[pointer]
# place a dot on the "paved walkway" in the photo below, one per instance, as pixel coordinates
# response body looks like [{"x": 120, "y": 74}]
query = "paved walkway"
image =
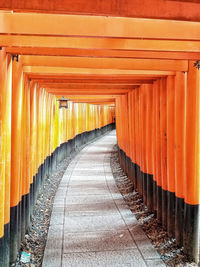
[{"x": 90, "y": 224}]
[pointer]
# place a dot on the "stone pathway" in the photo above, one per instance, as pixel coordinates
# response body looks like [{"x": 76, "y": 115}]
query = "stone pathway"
[{"x": 90, "y": 224}]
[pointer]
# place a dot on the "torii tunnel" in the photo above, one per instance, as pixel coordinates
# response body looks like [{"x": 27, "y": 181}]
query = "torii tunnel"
[{"x": 125, "y": 62}]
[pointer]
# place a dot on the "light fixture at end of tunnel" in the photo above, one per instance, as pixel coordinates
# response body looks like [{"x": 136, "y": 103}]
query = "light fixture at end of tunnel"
[{"x": 63, "y": 102}]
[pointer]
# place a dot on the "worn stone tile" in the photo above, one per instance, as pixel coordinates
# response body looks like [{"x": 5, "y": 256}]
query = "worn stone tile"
[
  {"x": 92, "y": 164},
  {"x": 61, "y": 192},
  {"x": 155, "y": 262},
  {"x": 55, "y": 236},
  {"x": 88, "y": 199},
  {"x": 120, "y": 258},
  {"x": 58, "y": 208},
  {"x": 143, "y": 243},
  {"x": 52, "y": 258},
  {"x": 138, "y": 234},
  {"x": 90, "y": 169},
  {"x": 59, "y": 200},
  {"x": 85, "y": 182},
  {"x": 87, "y": 173},
  {"x": 113, "y": 189},
  {"x": 103, "y": 208},
  {"x": 88, "y": 189},
  {"x": 109, "y": 178},
  {"x": 94, "y": 223},
  {"x": 88, "y": 184},
  {"x": 57, "y": 217},
  {"x": 97, "y": 241},
  {"x": 147, "y": 249},
  {"x": 63, "y": 183},
  {"x": 87, "y": 178},
  {"x": 116, "y": 196},
  {"x": 53, "y": 250}
]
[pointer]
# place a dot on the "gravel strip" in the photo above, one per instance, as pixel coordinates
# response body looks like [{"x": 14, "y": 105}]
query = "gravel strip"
[{"x": 166, "y": 246}]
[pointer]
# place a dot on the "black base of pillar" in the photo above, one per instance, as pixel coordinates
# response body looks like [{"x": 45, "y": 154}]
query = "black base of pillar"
[
  {"x": 6, "y": 248},
  {"x": 14, "y": 222},
  {"x": 19, "y": 229},
  {"x": 191, "y": 231},
  {"x": 139, "y": 180},
  {"x": 159, "y": 204},
  {"x": 144, "y": 189},
  {"x": 2, "y": 251},
  {"x": 27, "y": 212},
  {"x": 171, "y": 213},
  {"x": 20, "y": 214},
  {"x": 150, "y": 192},
  {"x": 155, "y": 197},
  {"x": 23, "y": 216},
  {"x": 179, "y": 221},
  {"x": 164, "y": 208}
]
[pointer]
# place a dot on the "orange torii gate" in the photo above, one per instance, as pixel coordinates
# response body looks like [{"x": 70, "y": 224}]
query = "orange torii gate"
[{"x": 137, "y": 60}]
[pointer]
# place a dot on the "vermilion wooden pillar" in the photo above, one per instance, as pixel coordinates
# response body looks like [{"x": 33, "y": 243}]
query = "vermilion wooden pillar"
[
  {"x": 170, "y": 155},
  {"x": 16, "y": 173},
  {"x": 192, "y": 179},
  {"x": 180, "y": 152}
]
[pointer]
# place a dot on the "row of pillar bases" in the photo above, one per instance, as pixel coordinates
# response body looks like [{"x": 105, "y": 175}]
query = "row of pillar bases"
[
  {"x": 20, "y": 215},
  {"x": 179, "y": 219}
]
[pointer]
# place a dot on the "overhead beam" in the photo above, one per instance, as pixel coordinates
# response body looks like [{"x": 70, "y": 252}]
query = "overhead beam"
[
  {"x": 61, "y": 70},
  {"x": 93, "y": 79},
  {"x": 96, "y": 100},
  {"x": 97, "y": 26},
  {"x": 106, "y": 63},
  {"x": 90, "y": 93},
  {"x": 181, "y": 10},
  {"x": 102, "y": 53},
  {"x": 90, "y": 99},
  {"x": 100, "y": 43},
  {"x": 88, "y": 86}
]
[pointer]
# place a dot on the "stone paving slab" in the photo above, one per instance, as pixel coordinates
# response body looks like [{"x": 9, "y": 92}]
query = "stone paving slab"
[
  {"x": 91, "y": 225},
  {"x": 97, "y": 241},
  {"x": 88, "y": 199},
  {"x": 118, "y": 258},
  {"x": 91, "y": 209},
  {"x": 88, "y": 172},
  {"x": 88, "y": 189},
  {"x": 94, "y": 223}
]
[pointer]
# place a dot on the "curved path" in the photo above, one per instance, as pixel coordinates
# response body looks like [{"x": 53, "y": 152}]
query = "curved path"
[{"x": 90, "y": 224}]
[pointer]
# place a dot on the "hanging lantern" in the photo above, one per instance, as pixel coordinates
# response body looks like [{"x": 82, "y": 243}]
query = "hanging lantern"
[{"x": 63, "y": 102}]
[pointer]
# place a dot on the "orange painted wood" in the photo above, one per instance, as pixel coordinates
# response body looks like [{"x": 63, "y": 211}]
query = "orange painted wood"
[
  {"x": 16, "y": 134},
  {"x": 101, "y": 53},
  {"x": 171, "y": 133},
  {"x": 158, "y": 135},
  {"x": 143, "y": 121},
  {"x": 64, "y": 70},
  {"x": 7, "y": 140},
  {"x": 180, "y": 133},
  {"x": 87, "y": 86},
  {"x": 163, "y": 131},
  {"x": 192, "y": 183},
  {"x": 142, "y": 45},
  {"x": 3, "y": 73},
  {"x": 101, "y": 26},
  {"x": 154, "y": 141},
  {"x": 149, "y": 128},
  {"x": 181, "y": 10},
  {"x": 106, "y": 63}
]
